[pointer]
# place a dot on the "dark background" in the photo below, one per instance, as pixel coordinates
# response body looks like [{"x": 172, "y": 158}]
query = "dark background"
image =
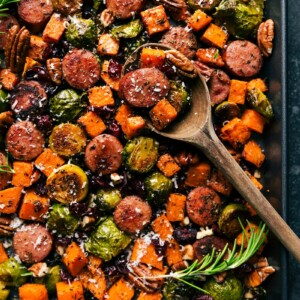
[{"x": 293, "y": 135}]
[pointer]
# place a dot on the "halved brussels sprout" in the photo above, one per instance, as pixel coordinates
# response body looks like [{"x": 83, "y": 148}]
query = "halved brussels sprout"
[
  {"x": 175, "y": 290},
  {"x": 178, "y": 95},
  {"x": 226, "y": 111},
  {"x": 4, "y": 101},
  {"x": 67, "y": 139},
  {"x": 107, "y": 199},
  {"x": 140, "y": 154},
  {"x": 50, "y": 279},
  {"x": 129, "y": 45},
  {"x": 127, "y": 31},
  {"x": 11, "y": 273},
  {"x": 67, "y": 184}
]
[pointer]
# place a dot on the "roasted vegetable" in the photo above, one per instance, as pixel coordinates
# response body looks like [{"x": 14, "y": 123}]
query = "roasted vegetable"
[
  {"x": 176, "y": 290},
  {"x": 226, "y": 111},
  {"x": 52, "y": 278},
  {"x": 61, "y": 220},
  {"x": 178, "y": 95},
  {"x": 4, "y": 101},
  {"x": 107, "y": 240},
  {"x": 66, "y": 105},
  {"x": 230, "y": 289},
  {"x": 205, "y": 5},
  {"x": 240, "y": 18},
  {"x": 140, "y": 154},
  {"x": 129, "y": 45},
  {"x": 158, "y": 187},
  {"x": 4, "y": 293},
  {"x": 11, "y": 273},
  {"x": 97, "y": 4},
  {"x": 82, "y": 33},
  {"x": 127, "y": 31},
  {"x": 106, "y": 199}
]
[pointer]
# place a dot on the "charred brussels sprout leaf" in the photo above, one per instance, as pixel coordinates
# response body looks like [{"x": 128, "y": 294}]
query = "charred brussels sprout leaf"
[
  {"x": 106, "y": 199},
  {"x": 178, "y": 95},
  {"x": 129, "y": 45},
  {"x": 4, "y": 101},
  {"x": 107, "y": 241},
  {"x": 140, "y": 154},
  {"x": 259, "y": 101},
  {"x": 66, "y": 105},
  {"x": 11, "y": 273},
  {"x": 128, "y": 31},
  {"x": 61, "y": 220},
  {"x": 82, "y": 33},
  {"x": 176, "y": 290},
  {"x": 52, "y": 278},
  {"x": 205, "y": 5},
  {"x": 158, "y": 187},
  {"x": 241, "y": 18}
]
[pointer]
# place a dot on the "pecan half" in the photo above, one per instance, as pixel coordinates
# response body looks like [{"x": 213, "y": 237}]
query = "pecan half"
[
  {"x": 54, "y": 68},
  {"x": 11, "y": 36},
  {"x": 6, "y": 119},
  {"x": 265, "y": 37},
  {"x": 106, "y": 18},
  {"x": 22, "y": 49}
]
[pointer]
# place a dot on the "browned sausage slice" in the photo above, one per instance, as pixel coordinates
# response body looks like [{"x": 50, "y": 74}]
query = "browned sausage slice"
[
  {"x": 35, "y": 13},
  {"x": 27, "y": 97},
  {"x": 182, "y": 40},
  {"x": 204, "y": 70},
  {"x": 5, "y": 24},
  {"x": 219, "y": 86},
  {"x": 242, "y": 58},
  {"x": 32, "y": 243},
  {"x": 81, "y": 69},
  {"x": 144, "y": 87},
  {"x": 123, "y": 9},
  {"x": 132, "y": 214},
  {"x": 203, "y": 206},
  {"x": 24, "y": 141},
  {"x": 5, "y": 177},
  {"x": 103, "y": 154}
]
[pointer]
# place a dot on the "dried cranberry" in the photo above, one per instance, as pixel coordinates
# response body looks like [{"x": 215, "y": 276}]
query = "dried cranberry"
[
  {"x": 97, "y": 181},
  {"x": 113, "y": 128},
  {"x": 63, "y": 241},
  {"x": 45, "y": 123},
  {"x": 167, "y": 70},
  {"x": 133, "y": 186},
  {"x": 244, "y": 269},
  {"x": 160, "y": 248},
  {"x": 61, "y": 49},
  {"x": 110, "y": 270},
  {"x": 65, "y": 276},
  {"x": 104, "y": 111},
  {"x": 78, "y": 209},
  {"x": 114, "y": 69},
  {"x": 40, "y": 188},
  {"x": 121, "y": 263},
  {"x": 39, "y": 73},
  {"x": 185, "y": 235},
  {"x": 203, "y": 297}
]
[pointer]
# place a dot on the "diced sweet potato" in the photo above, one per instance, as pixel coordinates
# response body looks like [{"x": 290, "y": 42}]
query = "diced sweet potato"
[
  {"x": 162, "y": 226},
  {"x": 219, "y": 183},
  {"x": 173, "y": 253},
  {"x": 121, "y": 290},
  {"x": 8, "y": 80},
  {"x": 133, "y": 126},
  {"x": 92, "y": 124},
  {"x": 111, "y": 82},
  {"x": 210, "y": 56},
  {"x": 176, "y": 207},
  {"x": 254, "y": 120},
  {"x": 257, "y": 83},
  {"x": 9, "y": 200},
  {"x": 54, "y": 29},
  {"x": 108, "y": 45},
  {"x": 23, "y": 172},
  {"x": 69, "y": 291},
  {"x": 27, "y": 290},
  {"x": 3, "y": 254},
  {"x": 199, "y": 20},
  {"x": 155, "y": 19},
  {"x": 152, "y": 58},
  {"x": 100, "y": 96},
  {"x": 238, "y": 91},
  {"x": 215, "y": 36},
  {"x": 254, "y": 180},
  {"x": 253, "y": 153},
  {"x": 198, "y": 175},
  {"x": 167, "y": 165},
  {"x": 147, "y": 296},
  {"x": 123, "y": 113},
  {"x": 94, "y": 263},
  {"x": 38, "y": 50}
]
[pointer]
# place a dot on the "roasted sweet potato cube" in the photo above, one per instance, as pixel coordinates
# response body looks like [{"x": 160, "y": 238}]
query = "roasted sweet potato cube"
[
  {"x": 133, "y": 126},
  {"x": 210, "y": 56},
  {"x": 257, "y": 83},
  {"x": 198, "y": 175},
  {"x": 155, "y": 19},
  {"x": 254, "y": 180},
  {"x": 107, "y": 45},
  {"x": 253, "y": 153},
  {"x": 9, "y": 200},
  {"x": 39, "y": 50},
  {"x": 174, "y": 254},
  {"x": 27, "y": 290},
  {"x": 121, "y": 289},
  {"x": 23, "y": 172},
  {"x": 123, "y": 113},
  {"x": 92, "y": 123},
  {"x": 54, "y": 29},
  {"x": 199, "y": 20},
  {"x": 254, "y": 120},
  {"x": 162, "y": 226},
  {"x": 100, "y": 96},
  {"x": 111, "y": 82},
  {"x": 3, "y": 254},
  {"x": 215, "y": 36},
  {"x": 152, "y": 58},
  {"x": 167, "y": 165},
  {"x": 8, "y": 80},
  {"x": 176, "y": 207},
  {"x": 69, "y": 290},
  {"x": 238, "y": 91},
  {"x": 149, "y": 296}
]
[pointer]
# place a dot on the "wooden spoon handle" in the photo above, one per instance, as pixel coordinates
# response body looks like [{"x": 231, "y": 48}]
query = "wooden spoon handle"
[{"x": 222, "y": 159}]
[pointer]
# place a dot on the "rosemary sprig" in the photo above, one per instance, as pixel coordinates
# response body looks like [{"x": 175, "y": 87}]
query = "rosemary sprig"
[
  {"x": 6, "y": 168},
  {"x": 4, "y": 8}
]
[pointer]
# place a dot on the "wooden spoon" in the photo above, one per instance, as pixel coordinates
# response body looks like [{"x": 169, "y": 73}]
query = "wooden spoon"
[{"x": 196, "y": 129}]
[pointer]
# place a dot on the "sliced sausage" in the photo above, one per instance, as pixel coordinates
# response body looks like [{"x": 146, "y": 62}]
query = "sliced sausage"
[
  {"x": 203, "y": 206},
  {"x": 5, "y": 177},
  {"x": 24, "y": 141},
  {"x": 32, "y": 243},
  {"x": 123, "y": 9},
  {"x": 204, "y": 70},
  {"x": 67, "y": 7},
  {"x": 219, "y": 86},
  {"x": 103, "y": 154},
  {"x": 243, "y": 58},
  {"x": 35, "y": 13},
  {"x": 205, "y": 246},
  {"x": 28, "y": 97},
  {"x": 81, "y": 69},
  {"x": 5, "y": 24},
  {"x": 144, "y": 87},
  {"x": 182, "y": 40},
  {"x": 132, "y": 214}
]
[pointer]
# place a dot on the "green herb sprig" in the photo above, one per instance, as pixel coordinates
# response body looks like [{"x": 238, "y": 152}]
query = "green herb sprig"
[
  {"x": 4, "y": 8},
  {"x": 6, "y": 168}
]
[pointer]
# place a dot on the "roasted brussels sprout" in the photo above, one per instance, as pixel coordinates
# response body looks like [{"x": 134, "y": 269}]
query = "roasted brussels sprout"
[
  {"x": 259, "y": 101},
  {"x": 129, "y": 45},
  {"x": 67, "y": 184},
  {"x": 4, "y": 293},
  {"x": 158, "y": 187},
  {"x": 4, "y": 101},
  {"x": 241, "y": 18},
  {"x": 107, "y": 241},
  {"x": 66, "y": 106},
  {"x": 52, "y": 278},
  {"x": 127, "y": 31},
  {"x": 140, "y": 154},
  {"x": 176, "y": 290},
  {"x": 226, "y": 111},
  {"x": 11, "y": 273},
  {"x": 61, "y": 220},
  {"x": 230, "y": 289},
  {"x": 82, "y": 33},
  {"x": 205, "y": 5},
  {"x": 229, "y": 219},
  {"x": 107, "y": 199},
  {"x": 178, "y": 95}
]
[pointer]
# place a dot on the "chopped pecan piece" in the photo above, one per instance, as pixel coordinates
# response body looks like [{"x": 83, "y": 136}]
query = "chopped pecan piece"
[
  {"x": 54, "y": 68},
  {"x": 265, "y": 37},
  {"x": 106, "y": 18}
]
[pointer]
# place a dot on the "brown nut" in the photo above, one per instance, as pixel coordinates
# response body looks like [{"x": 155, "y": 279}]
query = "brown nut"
[
  {"x": 22, "y": 49},
  {"x": 106, "y": 18},
  {"x": 11, "y": 36},
  {"x": 265, "y": 37},
  {"x": 54, "y": 68}
]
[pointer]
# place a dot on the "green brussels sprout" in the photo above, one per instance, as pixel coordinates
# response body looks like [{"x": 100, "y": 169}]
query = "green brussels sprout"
[
  {"x": 82, "y": 33},
  {"x": 11, "y": 273},
  {"x": 3, "y": 291},
  {"x": 66, "y": 106},
  {"x": 230, "y": 289},
  {"x": 4, "y": 101},
  {"x": 158, "y": 187},
  {"x": 176, "y": 290},
  {"x": 107, "y": 241},
  {"x": 52, "y": 278},
  {"x": 241, "y": 18},
  {"x": 106, "y": 200},
  {"x": 205, "y": 5},
  {"x": 259, "y": 102},
  {"x": 229, "y": 219},
  {"x": 61, "y": 220},
  {"x": 127, "y": 31},
  {"x": 178, "y": 95},
  {"x": 140, "y": 154},
  {"x": 226, "y": 111},
  {"x": 97, "y": 4},
  {"x": 130, "y": 45}
]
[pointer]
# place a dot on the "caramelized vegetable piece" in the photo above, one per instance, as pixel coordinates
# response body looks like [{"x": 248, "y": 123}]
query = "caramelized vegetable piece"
[
  {"x": 54, "y": 29},
  {"x": 39, "y": 49},
  {"x": 198, "y": 175},
  {"x": 111, "y": 82},
  {"x": 210, "y": 56},
  {"x": 133, "y": 126},
  {"x": 8, "y": 79},
  {"x": 162, "y": 226},
  {"x": 167, "y": 165},
  {"x": 176, "y": 207},
  {"x": 9, "y": 200},
  {"x": 3, "y": 254},
  {"x": 257, "y": 83},
  {"x": 147, "y": 296},
  {"x": 27, "y": 291},
  {"x": 215, "y": 36},
  {"x": 219, "y": 183},
  {"x": 108, "y": 45},
  {"x": 238, "y": 90},
  {"x": 226, "y": 111},
  {"x": 254, "y": 120},
  {"x": 23, "y": 172},
  {"x": 152, "y": 58},
  {"x": 69, "y": 291},
  {"x": 174, "y": 254},
  {"x": 100, "y": 96},
  {"x": 92, "y": 124},
  {"x": 122, "y": 289},
  {"x": 253, "y": 153},
  {"x": 199, "y": 20}
]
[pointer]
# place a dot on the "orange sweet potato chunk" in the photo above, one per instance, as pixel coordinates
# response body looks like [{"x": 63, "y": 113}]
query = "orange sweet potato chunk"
[
  {"x": 162, "y": 226},
  {"x": 54, "y": 29},
  {"x": 121, "y": 290},
  {"x": 23, "y": 172},
  {"x": 253, "y": 153},
  {"x": 215, "y": 36},
  {"x": 9, "y": 200},
  {"x": 152, "y": 58},
  {"x": 3, "y": 254},
  {"x": 238, "y": 91},
  {"x": 92, "y": 124},
  {"x": 69, "y": 291},
  {"x": 254, "y": 120},
  {"x": 100, "y": 96},
  {"x": 176, "y": 207},
  {"x": 199, "y": 20},
  {"x": 167, "y": 165}
]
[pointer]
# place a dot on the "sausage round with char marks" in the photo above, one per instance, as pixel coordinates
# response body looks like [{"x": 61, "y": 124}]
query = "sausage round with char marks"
[
  {"x": 5, "y": 24},
  {"x": 103, "y": 154},
  {"x": 242, "y": 58},
  {"x": 32, "y": 243},
  {"x": 144, "y": 87},
  {"x": 182, "y": 40},
  {"x": 203, "y": 206},
  {"x": 132, "y": 214},
  {"x": 24, "y": 141},
  {"x": 81, "y": 69},
  {"x": 5, "y": 177},
  {"x": 123, "y": 9}
]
